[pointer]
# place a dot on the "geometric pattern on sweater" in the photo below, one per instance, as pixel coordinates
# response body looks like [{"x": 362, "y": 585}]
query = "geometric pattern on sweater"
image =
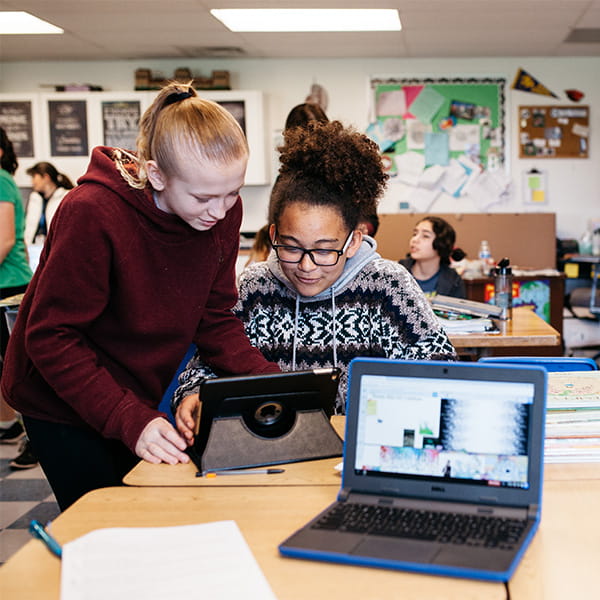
[{"x": 380, "y": 313}]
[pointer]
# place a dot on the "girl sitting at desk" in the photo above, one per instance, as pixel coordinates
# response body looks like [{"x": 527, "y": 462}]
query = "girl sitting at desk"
[
  {"x": 324, "y": 295},
  {"x": 431, "y": 248}
]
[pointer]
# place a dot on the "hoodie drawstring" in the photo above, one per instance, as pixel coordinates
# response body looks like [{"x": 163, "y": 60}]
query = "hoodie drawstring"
[
  {"x": 296, "y": 318},
  {"x": 333, "y": 327}
]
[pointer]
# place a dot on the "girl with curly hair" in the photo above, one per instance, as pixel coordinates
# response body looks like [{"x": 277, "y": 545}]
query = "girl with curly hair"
[{"x": 325, "y": 296}]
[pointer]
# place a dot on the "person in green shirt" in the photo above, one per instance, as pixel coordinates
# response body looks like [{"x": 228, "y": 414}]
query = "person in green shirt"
[{"x": 15, "y": 274}]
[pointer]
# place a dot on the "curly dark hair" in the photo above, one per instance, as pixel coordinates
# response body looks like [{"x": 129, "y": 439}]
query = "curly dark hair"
[
  {"x": 9, "y": 160},
  {"x": 327, "y": 164},
  {"x": 445, "y": 237}
]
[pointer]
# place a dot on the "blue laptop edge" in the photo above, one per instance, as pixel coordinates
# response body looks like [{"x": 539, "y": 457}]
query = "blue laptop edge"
[{"x": 417, "y": 490}]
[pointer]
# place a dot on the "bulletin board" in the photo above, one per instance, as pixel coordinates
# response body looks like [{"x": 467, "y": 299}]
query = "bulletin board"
[
  {"x": 443, "y": 119},
  {"x": 554, "y": 131}
]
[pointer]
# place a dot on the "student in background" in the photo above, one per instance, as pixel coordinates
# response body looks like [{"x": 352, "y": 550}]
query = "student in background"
[
  {"x": 261, "y": 246},
  {"x": 49, "y": 188},
  {"x": 324, "y": 296},
  {"x": 369, "y": 224},
  {"x": 305, "y": 113},
  {"x": 15, "y": 274},
  {"x": 143, "y": 251},
  {"x": 431, "y": 250}
]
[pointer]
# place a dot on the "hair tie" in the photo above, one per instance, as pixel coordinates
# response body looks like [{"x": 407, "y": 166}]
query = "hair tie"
[{"x": 176, "y": 97}]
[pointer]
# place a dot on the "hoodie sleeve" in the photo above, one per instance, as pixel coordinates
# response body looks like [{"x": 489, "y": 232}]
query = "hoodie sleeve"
[
  {"x": 198, "y": 369},
  {"x": 221, "y": 340},
  {"x": 68, "y": 296},
  {"x": 190, "y": 379},
  {"x": 406, "y": 327}
]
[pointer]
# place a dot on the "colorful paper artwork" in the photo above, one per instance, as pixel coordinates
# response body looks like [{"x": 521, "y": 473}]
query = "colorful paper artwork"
[
  {"x": 427, "y": 104},
  {"x": 439, "y": 135}
]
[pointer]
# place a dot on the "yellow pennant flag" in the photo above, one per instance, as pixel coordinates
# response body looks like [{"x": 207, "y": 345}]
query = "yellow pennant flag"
[{"x": 527, "y": 83}]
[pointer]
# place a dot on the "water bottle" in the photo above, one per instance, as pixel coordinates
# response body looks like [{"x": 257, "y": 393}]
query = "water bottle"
[
  {"x": 485, "y": 257},
  {"x": 503, "y": 288},
  {"x": 596, "y": 242}
]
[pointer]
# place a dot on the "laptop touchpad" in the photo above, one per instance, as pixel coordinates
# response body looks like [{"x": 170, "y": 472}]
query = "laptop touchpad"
[{"x": 396, "y": 549}]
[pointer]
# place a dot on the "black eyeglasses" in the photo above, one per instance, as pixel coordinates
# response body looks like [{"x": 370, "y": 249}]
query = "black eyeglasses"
[{"x": 322, "y": 257}]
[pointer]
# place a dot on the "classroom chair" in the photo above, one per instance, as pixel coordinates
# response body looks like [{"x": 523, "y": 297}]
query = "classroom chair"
[{"x": 550, "y": 363}]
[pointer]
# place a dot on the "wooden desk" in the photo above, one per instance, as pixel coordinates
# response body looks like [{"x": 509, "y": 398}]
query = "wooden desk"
[
  {"x": 476, "y": 290},
  {"x": 525, "y": 329},
  {"x": 560, "y": 563},
  {"x": 313, "y": 472},
  {"x": 265, "y": 517}
]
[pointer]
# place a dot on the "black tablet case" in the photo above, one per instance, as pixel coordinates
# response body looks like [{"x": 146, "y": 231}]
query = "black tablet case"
[{"x": 261, "y": 420}]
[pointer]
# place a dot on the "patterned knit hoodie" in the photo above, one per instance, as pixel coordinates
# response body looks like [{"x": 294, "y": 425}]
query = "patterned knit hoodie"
[{"x": 375, "y": 308}]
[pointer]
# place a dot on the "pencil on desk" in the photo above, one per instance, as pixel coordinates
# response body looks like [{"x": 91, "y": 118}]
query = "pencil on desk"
[{"x": 241, "y": 472}]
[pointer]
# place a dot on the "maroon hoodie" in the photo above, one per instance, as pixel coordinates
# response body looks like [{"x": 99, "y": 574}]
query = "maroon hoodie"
[{"x": 121, "y": 290}]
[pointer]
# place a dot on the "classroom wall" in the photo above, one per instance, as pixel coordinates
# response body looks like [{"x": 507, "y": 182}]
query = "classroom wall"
[{"x": 573, "y": 184}]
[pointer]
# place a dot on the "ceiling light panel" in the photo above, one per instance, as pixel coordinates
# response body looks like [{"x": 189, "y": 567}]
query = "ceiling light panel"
[
  {"x": 318, "y": 19},
  {"x": 20, "y": 23}
]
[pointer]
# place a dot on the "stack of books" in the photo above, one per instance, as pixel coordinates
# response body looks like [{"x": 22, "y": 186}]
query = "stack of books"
[
  {"x": 573, "y": 417},
  {"x": 458, "y": 315}
]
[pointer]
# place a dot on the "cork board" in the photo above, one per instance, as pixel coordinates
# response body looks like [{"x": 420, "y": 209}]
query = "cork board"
[
  {"x": 554, "y": 131},
  {"x": 528, "y": 239}
]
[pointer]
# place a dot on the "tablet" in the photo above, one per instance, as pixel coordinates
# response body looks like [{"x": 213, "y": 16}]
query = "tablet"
[{"x": 256, "y": 420}]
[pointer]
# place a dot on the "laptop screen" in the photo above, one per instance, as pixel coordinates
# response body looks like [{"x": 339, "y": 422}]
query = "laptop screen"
[{"x": 443, "y": 429}]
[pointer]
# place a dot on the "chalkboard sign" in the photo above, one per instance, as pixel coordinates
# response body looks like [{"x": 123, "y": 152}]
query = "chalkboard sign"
[
  {"x": 554, "y": 131},
  {"x": 120, "y": 123},
  {"x": 68, "y": 128},
  {"x": 16, "y": 120}
]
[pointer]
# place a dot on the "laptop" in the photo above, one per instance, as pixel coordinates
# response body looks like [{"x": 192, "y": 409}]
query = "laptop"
[{"x": 442, "y": 470}]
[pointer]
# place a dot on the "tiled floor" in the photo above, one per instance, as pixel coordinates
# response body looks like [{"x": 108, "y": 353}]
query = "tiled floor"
[{"x": 24, "y": 495}]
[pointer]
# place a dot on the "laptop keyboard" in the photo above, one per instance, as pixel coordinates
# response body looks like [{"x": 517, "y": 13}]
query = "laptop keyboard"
[{"x": 472, "y": 530}]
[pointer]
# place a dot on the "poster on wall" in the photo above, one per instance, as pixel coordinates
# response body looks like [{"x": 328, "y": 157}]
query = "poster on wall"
[
  {"x": 120, "y": 121},
  {"x": 554, "y": 131},
  {"x": 16, "y": 120},
  {"x": 68, "y": 127},
  {"x": 238, "y": 109},
  {"x": 532, "y": 294},
  {"x": 443, "y": 135}
]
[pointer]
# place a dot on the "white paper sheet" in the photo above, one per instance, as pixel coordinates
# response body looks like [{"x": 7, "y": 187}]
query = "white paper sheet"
[
  {"x": 410, "y": 166},
  {"x": 210, "y": 560},
  {"x": 422, "y": 199}
]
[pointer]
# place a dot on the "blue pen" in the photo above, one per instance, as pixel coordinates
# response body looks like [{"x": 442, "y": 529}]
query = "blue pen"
[{"x": 37, "y": 530}]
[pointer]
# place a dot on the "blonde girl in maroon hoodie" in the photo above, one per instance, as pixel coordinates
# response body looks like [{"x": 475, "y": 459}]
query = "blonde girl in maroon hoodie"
[{"x": 139, "y": 262}]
